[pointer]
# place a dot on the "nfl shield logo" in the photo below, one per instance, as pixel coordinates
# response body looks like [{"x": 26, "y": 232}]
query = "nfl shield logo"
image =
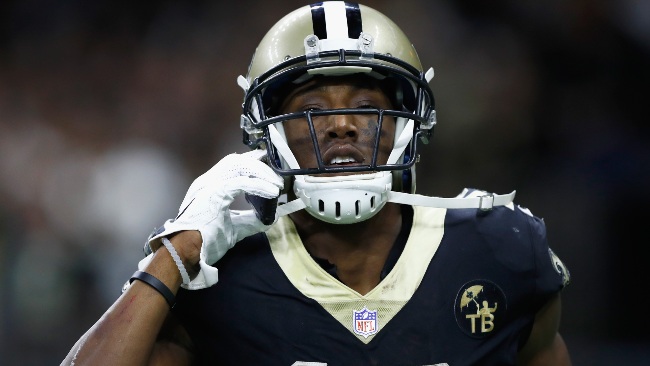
[{"x": 365, "y": 322}]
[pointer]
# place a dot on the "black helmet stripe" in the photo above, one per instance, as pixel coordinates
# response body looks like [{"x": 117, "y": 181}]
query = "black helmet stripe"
[
  {"x": 353, "y": 14},
  {"x": 322, "y": 11},
  {"x": 318, "y": 20}
]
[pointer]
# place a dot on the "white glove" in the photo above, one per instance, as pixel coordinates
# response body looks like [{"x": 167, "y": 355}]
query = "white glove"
[{"x": 206, "y": 208}]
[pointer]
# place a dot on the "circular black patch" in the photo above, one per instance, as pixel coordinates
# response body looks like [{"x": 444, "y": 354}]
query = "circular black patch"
[{"x": 480, "y": 307}]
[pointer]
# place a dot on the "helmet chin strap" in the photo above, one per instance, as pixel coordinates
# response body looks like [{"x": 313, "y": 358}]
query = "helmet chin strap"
[{"x": 484, "y": 201}]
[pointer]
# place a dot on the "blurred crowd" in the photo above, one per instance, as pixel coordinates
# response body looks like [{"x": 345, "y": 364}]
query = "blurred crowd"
[{"x": 109, "y": 110}]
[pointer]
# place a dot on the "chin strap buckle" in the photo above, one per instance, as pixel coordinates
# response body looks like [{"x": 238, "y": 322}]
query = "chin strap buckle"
[{"x": 486, "y": 202}]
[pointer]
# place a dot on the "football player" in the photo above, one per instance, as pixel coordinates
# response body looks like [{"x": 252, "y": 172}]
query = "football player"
[{"x": 339, "y": 262}]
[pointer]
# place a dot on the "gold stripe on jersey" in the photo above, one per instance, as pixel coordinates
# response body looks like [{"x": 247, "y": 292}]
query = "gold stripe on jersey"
[{"x": 390, "y": 295}]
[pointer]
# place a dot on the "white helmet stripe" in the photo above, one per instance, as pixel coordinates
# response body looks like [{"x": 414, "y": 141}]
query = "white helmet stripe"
[
  {"x": 282, "y": 147},
  {"x": 334, "y": 17},
  {"x": 401, "y": 142},
  {"x": 336, "y": 20}
]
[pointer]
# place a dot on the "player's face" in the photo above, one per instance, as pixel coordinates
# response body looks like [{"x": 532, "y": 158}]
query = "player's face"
[{"x": 343, "y": 139}]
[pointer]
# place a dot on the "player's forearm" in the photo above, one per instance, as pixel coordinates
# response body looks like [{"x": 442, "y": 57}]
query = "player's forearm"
[{"x": 127, "y": 332}]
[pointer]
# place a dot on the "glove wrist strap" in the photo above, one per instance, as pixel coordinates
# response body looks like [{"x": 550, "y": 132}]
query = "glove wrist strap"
[{"x": 179, "y": 263}]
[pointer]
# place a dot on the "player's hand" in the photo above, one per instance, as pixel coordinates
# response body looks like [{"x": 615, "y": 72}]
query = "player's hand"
[{"x": 206, "y": 208}]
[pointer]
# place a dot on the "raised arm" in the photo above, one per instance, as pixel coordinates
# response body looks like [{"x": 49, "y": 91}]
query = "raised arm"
[
  {"x": 545, "y": 345},
  {"x": 202, "y": 232},
  {"x": 128, "y": 332}
]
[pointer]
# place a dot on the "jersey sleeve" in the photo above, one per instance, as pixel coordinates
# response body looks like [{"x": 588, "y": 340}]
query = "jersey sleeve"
[
  {"x": 519, "y": 239},
  {"x": 552, "y": 274}
]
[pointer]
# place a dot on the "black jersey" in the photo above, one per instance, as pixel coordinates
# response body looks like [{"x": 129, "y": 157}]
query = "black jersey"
[{"x": 464, "y": 291}]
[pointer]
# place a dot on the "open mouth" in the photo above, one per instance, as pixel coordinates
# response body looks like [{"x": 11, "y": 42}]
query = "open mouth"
[
  {"x": 343, "y": 160},
  {"x": 343, "y": 155}
]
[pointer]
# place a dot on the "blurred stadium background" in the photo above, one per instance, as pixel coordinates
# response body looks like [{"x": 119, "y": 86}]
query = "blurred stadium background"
[{"x": 109, "y": 109}]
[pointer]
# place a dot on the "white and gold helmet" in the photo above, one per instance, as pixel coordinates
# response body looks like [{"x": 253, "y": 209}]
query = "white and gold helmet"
[{"x": 335, "y": 38}]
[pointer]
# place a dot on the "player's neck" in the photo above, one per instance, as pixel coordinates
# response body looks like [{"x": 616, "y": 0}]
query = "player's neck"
[{"x": 359, "y": 251}]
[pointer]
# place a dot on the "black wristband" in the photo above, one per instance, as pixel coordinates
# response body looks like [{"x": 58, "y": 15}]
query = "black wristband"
[{"x": 156, "y": 284}]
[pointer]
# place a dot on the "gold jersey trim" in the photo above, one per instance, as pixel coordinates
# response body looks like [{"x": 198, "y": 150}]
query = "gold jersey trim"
[{"x": 340, "y": 301}]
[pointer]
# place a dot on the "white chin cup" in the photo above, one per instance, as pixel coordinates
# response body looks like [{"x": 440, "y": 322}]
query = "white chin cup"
[{"x": 346, "y": 199}]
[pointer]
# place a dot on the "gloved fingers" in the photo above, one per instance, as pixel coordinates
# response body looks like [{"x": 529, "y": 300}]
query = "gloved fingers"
[
  {"x": 252, "y": 185},
  {"x": 234, "y": 170},
  {"x": 245, "y": 218},
  {"x": 259, "y": 169},
  {"x": 255, "y": 154},
  {"x": 219, "y": 236},
  {"x": 236, "y": 165},
  {"x": 247, "y": 224}
]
